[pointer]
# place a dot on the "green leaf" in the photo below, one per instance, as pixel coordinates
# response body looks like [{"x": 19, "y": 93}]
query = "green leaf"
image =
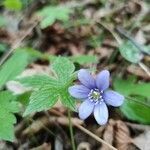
[
  {"x": 33, "y": 52},
  {"x": 37, "y": 81},
  {"x": 24, "y": 98},
  {"x": 50, "y": 14},
  {"x": 13, "y": 4},
  {"x": 84, "y": 59},
  {"x": 128, "y": 87},
  {"x": 47, "y": 89},
  {"x": 67, "y": 100},
  {"x": 63, "y": 69},
  {"x": 13, "y": 66},
  {"x": 47, "y": 22},
  {"x": 42, "y": 99},
  {"x": 135, "y": 111},
  {"x": 130, "y": 52},
  {"x": 137, "y": 104},
  {"x": 7, "y": 107}
]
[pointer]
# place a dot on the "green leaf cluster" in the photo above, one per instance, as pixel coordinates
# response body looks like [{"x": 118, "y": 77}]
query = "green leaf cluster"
[
  {"x": 50, "y": 14},
  {"x": 137, "y": 99},
  {"x": 8, "y": 106},
  {"x": 8, "y": 71},
  {"x": 48, "y": 89}
]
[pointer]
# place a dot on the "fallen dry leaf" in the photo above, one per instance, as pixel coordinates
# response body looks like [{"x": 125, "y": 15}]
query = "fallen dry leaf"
[{"x": 143, "y": 141}]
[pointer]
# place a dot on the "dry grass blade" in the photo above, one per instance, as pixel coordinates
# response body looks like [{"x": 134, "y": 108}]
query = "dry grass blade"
[{"x": 95, "y": 137}]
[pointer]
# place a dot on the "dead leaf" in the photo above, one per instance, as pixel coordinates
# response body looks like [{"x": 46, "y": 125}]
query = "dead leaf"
[
  {"x": 108, "y": 135},
  {"x": 143, "y": 141},
  {"x": 122, "y": 136}
]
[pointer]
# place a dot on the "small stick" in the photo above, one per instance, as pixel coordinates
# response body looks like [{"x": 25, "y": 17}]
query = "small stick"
[
  {"x": 145, "y": 68},
  {"x": 94, "y": 136}
]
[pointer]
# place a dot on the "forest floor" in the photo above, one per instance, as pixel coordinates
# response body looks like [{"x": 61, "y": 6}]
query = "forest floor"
[{"x": 94, "y": 29}]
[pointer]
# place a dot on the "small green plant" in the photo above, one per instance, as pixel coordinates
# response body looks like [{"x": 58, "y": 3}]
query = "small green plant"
[
  {"x": 48, "y": 89},
  {"x": 13, "y": 66},
  {"x": 8, "y": 106},
  {"x": 50, "y": 14}
]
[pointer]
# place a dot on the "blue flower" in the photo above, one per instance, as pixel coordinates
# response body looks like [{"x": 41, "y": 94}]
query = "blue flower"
[{"x": 95, "y": 96}]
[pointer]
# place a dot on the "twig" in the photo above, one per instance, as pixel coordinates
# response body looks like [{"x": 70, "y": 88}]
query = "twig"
[
  {"x": 94, "y": 136},
  {"x": 117, "y": 38},
  {"x": 17, "y": 44},
  {"x": 145, "y": 68}
]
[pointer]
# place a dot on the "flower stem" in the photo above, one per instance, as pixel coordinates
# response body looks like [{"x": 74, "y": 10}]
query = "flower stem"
[{"x": 71, "y": 131}]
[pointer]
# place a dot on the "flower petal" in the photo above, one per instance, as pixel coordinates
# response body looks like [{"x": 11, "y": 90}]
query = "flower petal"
[
  {"x": 86, "y": 79},
  {"x": 85, "y": 109},
  {"x": 113, "y": 98},
  {"x": 102, "y": 80},
  {"x": 79, "y": 91},
  {"x": 101, "y": 113}
]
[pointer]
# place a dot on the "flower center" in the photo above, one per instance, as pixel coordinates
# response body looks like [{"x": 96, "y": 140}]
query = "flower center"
[{"x": 95, "y": 95}]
